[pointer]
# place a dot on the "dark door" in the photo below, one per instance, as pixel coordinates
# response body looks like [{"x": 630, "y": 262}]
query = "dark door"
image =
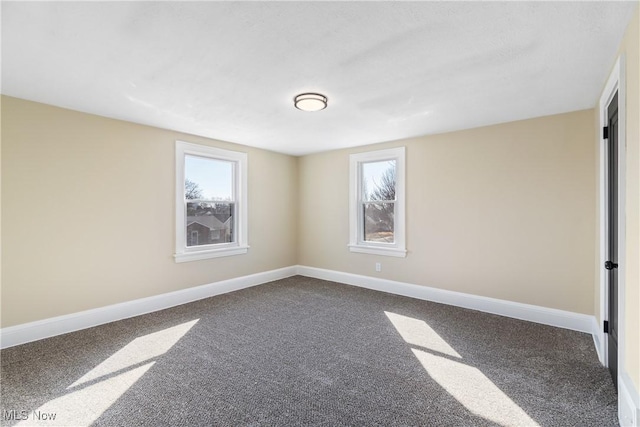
[{"x": 611, "y": 264}]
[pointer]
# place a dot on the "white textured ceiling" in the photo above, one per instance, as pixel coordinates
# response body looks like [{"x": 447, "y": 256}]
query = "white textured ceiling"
[{"x": 229, "y": 70}]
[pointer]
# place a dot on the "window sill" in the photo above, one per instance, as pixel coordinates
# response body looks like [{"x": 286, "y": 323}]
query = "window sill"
[
  {"x": 376, "y": 250},
  {"x": 211, "y": 253}
]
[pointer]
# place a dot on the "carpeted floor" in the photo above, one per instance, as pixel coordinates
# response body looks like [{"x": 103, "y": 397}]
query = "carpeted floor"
[{"x": 303, "y": 351}]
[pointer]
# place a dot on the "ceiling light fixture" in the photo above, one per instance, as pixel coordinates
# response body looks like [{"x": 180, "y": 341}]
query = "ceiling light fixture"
[{"x": 310, "y": 102}]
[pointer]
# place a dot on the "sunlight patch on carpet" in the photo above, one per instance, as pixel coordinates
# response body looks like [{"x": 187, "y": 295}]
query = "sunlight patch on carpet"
[
  {"x": 82, "y": 407},
  {"x": 474, "y": 390},
  {"x": 137, "y": 351},
  {"x": 465, "y": 383},
  {"x": 417, "y": 332},
  {"x": 92, "y": 394}
]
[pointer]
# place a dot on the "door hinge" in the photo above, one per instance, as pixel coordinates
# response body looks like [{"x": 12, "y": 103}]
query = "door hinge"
[
  {"x": 605, "y": 132},
  {"x": 606, "y": 326}
]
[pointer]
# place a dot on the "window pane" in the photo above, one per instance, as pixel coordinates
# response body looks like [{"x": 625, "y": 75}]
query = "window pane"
[
  {"x": 209, "y": 193},
  {"x": 379, "y": 180},
  {"x": 208, "y": 179},
  {"x": 378, "y": 222},
  {"x": 209, "y": 223}
]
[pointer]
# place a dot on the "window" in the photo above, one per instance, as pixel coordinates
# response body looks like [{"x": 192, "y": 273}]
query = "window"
[
  {"x": 376, "y": 207},
  {"x": 211, "y": 202}
]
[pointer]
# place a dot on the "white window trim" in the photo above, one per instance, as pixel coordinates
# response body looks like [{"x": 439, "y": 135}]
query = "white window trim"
[
  {"x": 240, "y": 246},
  {"x": 356, "y": 244}
]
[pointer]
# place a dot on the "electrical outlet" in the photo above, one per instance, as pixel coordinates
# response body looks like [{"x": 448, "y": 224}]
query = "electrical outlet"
[{"x": 378, "y": 266}]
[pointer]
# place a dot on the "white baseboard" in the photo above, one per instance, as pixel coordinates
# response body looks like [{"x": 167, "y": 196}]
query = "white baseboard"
[
  {"x": 628, "y": 402},
  {"x": 20, "y": 334},
  {"x": 598, "y": 340},
  {"x": 532, "y": 313}
]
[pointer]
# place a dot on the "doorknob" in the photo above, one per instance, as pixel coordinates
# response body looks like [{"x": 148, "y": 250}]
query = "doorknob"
[{"x": 609, "y": 265}]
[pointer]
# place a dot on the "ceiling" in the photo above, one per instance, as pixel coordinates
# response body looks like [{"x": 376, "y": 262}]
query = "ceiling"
[{"x": 391, "y": 70}]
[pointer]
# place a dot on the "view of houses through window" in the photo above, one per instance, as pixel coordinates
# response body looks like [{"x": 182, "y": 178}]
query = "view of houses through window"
[
  {"x": 210, "y": 208},
  {"x": 378, "y": 200}
]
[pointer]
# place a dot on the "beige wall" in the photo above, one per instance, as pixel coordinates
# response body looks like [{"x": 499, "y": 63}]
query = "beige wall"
[
  {"x": 88, "y": 213},
  {"x": 503, "y": 211}
]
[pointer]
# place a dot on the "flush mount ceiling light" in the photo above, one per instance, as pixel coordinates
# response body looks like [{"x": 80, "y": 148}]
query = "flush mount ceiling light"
[{"x": 310, "y": 102}]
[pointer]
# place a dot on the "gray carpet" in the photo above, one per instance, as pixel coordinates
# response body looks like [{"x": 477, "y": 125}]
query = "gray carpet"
[{"x": 303, "y": 351}]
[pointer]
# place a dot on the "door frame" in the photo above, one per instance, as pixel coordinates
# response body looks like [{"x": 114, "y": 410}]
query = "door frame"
[{"x": 616, "y": 82}]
